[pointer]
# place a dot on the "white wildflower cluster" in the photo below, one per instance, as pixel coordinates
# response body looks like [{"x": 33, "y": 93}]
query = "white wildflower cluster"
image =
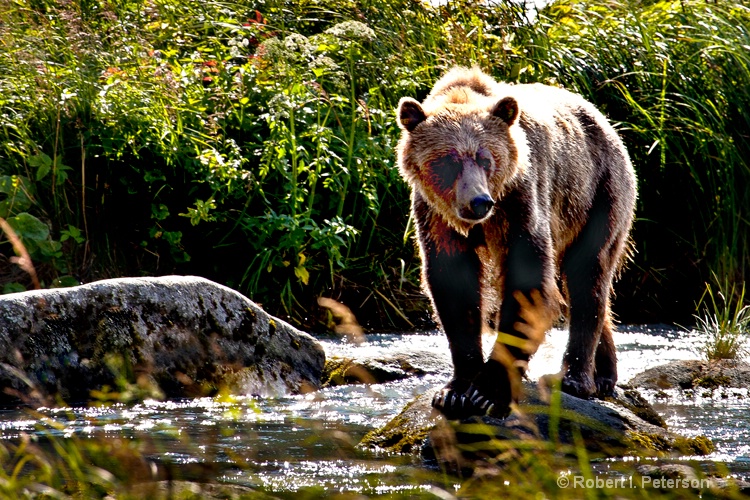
[
  {"x": 352, "y": 30},
  {"x": 318, "y": 53}
]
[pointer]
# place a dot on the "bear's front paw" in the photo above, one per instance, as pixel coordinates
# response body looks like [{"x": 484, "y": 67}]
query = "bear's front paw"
[
  {"x": 452, "y": 401},
  {"x": 489, "y": 394},
  {"x": 492, "y": 391}
]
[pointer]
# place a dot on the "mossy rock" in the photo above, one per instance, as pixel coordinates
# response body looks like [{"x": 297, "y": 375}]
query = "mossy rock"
[
  {"x": 633, "y": 401},
  {"x": 343, "y": 371},
  {"x": 605, "y": 428},
  {"x": 406, "y": 432},
  {"x": 698, "y": 445},
  {"x": 712, "y": 382}
]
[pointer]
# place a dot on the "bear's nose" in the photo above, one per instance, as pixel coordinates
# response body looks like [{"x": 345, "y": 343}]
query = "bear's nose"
[{"x": 481, "y": 205}]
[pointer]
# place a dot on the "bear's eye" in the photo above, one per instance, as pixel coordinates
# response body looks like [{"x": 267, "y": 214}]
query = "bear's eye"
[
  {"x": 484, "y": 162},
  {"x": 445, "y": 171}
]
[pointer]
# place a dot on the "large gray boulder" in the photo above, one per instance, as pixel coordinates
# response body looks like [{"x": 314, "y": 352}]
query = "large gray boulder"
[{"x": 139, "y": 337}]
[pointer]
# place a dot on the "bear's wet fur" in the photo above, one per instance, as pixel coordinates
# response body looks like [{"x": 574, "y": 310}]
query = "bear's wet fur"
[{"x": 516, "y": 188}]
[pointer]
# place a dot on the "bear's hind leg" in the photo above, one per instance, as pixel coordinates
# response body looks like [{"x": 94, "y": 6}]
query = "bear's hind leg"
[
  {"x": 588, "y": 267},
  {"x": 587, "y": 318},
  {"x": 605, "y": 362}
]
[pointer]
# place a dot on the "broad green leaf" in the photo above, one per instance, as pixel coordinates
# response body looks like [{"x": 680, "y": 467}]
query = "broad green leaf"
[
  {"x": 28, "y": 227},
  {"x": 50, "y": 248},
  {"x": 72, "y": 232},
  {"x": 40, "y": 160},
  {"x": 13, "y": 288},
  {"x": 42, "y": 171},
  {"x": 43, "y": 164},
  {"x": 16, "y": 187},
  {"x": 61, "y": 171},
  {"x": 154, "y": 175},
  {"x": 160, "y": 211}
]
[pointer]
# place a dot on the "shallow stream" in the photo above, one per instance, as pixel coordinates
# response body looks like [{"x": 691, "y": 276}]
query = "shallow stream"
[{"x": 287, "y": 444}]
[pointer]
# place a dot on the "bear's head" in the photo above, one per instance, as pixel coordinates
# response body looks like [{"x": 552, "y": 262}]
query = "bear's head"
[{"x": 458, "y": 151}]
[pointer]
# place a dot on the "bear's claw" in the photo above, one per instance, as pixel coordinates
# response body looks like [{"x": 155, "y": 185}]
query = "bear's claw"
[
  {"x": 455, "y": 406},
  {"x": 450, "y": 403}
]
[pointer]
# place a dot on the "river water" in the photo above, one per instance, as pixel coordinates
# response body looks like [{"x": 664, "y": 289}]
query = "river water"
[{"x": 287, "y": 444}]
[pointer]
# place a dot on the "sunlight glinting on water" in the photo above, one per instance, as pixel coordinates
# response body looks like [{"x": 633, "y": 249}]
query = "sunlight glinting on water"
[
  {"x": 334, "y": 475},
  {"x": 639, "y": 348}
]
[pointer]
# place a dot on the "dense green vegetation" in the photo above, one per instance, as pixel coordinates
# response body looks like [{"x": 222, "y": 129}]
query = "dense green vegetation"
[{"x": 253, "y": 142}]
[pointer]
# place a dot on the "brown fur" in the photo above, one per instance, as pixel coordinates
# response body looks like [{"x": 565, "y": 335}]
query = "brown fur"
[{"x": 514, "y": 188}]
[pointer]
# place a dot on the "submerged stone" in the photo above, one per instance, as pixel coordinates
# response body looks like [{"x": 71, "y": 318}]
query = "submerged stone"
[
  {"x": 168, "y": 490},
  {"x": 133, "y": 338},
  {"x": 694, "y": 374}
]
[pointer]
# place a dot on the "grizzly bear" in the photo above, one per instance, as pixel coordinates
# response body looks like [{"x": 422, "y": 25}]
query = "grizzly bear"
[{"x": 518, "y": 191}]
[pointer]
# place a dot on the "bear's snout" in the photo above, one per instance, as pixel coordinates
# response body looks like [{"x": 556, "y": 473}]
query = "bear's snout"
[
  {"x": 473, "y": 199},
  {"x": 477, "y": 209},
  {"x": 481, "y": 206}
]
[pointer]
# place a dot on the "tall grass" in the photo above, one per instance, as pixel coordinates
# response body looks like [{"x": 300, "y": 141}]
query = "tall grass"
[
  {"x": 675, "y": 76},
  {"x": 724, "y": 320}
]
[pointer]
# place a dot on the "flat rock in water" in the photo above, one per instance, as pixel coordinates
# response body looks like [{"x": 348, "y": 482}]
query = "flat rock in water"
[
  {"x": 367, "y": 370},
  {"x": 175, "y": 336},
  {"x": 693, "y": 374},
  {"x": 609, "y": 428},
  {"x": 682, "y": 476}
]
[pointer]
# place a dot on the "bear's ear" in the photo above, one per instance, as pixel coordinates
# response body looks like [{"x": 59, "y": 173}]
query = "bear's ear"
[
  {"x": 506, "y": 109},
  {"x": 410, "y": 114}
]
